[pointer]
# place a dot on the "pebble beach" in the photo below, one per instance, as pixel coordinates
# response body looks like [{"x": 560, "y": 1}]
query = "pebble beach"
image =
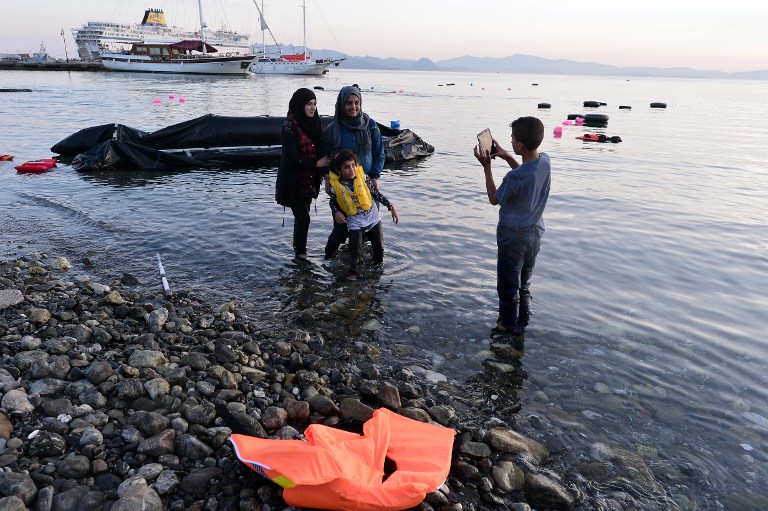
[{"x": 109, "y": 389}]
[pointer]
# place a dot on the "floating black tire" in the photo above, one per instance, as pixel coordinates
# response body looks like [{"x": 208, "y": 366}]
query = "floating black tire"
[
  {"x": 572, "y": 117},
  {"x": 596, "y": 120},
  {"x": 591, "y": 104},
  {"x": 625, "y": 107},
  {"x": 545, "y": 105},
  {"x": 658, "y": 105}
]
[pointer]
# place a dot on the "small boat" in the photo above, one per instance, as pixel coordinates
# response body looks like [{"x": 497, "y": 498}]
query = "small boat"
[
  {"x": 36, "y": 166},
  {"x": 188, "y": 57},
  {"x": 6, "y": 157},
  {"x": 210, "y": 141},
  {"x": 292, "y": 63}
]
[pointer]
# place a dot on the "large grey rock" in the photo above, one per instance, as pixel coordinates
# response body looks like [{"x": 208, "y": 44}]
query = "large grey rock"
[
  {"x": 17, "y": 401},
  {"x": 274, "y": 417},
  {"x": 147, "y": 358},
  {"x": 198, "y": 480},
  {"x": 323, "y": 405},
  {"x": 157, "y": 318},
  {"x": 351, "y": 408},
  {"x": 389, "y": 396},
  {"x": 99, "y": 371},
  {"x": 10, "y": 297},
  {"x": 44, "y": 499},
  {"x": 13, "y": 503},
  {"x": 506, "y": 440},
  {"x": 166, "y": 482},
  {"x": 74, "y": 466},
  {"x": 19, "y": 485},
  {"x": 543, "y": 492},
  {"x": 189, "y": 446},
  {"x": 69, "y": 500},
  {"x": 508, "y": 476},
  {"x": 139, "y": 497},
  {"x": 159, "y": 444}
]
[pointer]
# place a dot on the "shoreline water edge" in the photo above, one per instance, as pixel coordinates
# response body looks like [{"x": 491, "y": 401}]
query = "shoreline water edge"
[{"x": 109, "y": 393}]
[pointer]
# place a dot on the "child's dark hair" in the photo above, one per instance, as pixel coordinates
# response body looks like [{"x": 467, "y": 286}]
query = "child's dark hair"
[
  {"x": 529, "y": 131},
  {"x": 340, "y": 157}
]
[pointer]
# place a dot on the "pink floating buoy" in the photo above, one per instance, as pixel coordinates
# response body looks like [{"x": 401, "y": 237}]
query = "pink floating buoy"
[
  {"x": 579, "y": 121},
  {"x": 157, "y": 100},
  {"x": 170, "y": 96},
  {"x": 567, "y": 123},
  {"x": 558, "y": 131},
  {"x": 182, "y": 99}
]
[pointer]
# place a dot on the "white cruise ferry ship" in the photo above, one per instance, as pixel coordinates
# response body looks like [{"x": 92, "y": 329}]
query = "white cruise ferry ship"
[{"x": 96, "y": 37}]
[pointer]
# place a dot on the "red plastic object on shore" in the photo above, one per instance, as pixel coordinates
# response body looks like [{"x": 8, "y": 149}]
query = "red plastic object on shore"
[{"x": 36, "y": 166}]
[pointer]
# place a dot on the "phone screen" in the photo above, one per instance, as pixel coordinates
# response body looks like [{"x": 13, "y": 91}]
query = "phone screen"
[{"x": 485, "y": 140}]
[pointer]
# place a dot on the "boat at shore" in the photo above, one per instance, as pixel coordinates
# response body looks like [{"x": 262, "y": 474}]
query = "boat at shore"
[
  {"x": 268, "y": 63},
  {"x": 204, "y": 142},
  {"x": 98, "y": 37},
  {"x": 188, "y": 57}
]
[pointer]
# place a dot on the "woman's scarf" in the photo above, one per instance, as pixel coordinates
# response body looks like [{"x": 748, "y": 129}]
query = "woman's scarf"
[
  {"x": 309, "y": 125},
  {"x": 358, "y": 125}
]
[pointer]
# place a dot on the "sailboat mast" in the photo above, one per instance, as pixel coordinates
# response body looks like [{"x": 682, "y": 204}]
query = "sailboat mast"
[
  {"x": 263, "y": 32},
  {"x": 202, "y": 23},
  {"x": 305, "y": 29}
]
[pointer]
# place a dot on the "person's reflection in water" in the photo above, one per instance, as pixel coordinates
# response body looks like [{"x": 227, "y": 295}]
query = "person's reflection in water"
[
  {"x": 319, "y": 297},
  {"x": 501, "y": 382}
]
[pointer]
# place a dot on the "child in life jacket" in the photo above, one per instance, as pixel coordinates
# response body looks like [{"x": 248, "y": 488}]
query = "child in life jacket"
[{"x": 352, "y": 202}]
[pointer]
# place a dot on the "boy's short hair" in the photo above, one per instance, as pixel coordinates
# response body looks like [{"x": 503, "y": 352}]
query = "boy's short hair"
[
  {"x": 529, "y": 131},
  {"x": 340, "y": 157}
]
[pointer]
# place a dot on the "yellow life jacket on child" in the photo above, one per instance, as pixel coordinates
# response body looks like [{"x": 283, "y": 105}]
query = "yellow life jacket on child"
[
  {"x": 346, "y": 199},
  {"x": 335, "y": 469}
]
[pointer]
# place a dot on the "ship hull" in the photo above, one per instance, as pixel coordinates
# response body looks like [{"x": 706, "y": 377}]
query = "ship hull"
[
  {"x": 200, "y": 65},
  {"x": 290, "y": 68}
]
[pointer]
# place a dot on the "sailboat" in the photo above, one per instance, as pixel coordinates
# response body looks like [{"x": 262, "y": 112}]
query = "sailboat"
[
  {"x": 288, "y": 64},
  {"x": 188, "y": 56}
]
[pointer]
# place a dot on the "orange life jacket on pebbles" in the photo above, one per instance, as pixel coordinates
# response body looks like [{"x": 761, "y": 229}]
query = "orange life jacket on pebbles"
[{"x": 336, "y": 469}]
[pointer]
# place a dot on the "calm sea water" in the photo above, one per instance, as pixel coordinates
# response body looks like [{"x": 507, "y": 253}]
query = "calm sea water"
[{"x": 649, "y": 292}]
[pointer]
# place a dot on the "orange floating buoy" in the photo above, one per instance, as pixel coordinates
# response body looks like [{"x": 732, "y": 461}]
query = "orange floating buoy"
[{"x": 36, "y": 166}]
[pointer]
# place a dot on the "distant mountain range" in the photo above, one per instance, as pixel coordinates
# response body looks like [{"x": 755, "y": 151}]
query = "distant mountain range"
[{"x": 528, "y": 64}]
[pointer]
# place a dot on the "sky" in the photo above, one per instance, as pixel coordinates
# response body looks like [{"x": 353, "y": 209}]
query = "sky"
[{"x": 718, "y": 35}]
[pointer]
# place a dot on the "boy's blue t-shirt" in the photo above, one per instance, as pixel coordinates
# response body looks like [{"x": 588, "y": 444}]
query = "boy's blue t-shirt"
[{"x": 522, "y": 198}]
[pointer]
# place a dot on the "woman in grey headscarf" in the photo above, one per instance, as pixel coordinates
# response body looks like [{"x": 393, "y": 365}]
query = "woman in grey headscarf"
[{"x": 354, "y": 130}]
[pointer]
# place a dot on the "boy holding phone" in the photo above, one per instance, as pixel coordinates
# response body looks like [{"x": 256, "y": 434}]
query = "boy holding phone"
[{"x": 522, "y": 197}]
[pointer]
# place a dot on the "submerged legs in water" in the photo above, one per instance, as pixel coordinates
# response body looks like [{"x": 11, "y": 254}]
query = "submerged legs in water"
[{"x": 301, "y": 219}]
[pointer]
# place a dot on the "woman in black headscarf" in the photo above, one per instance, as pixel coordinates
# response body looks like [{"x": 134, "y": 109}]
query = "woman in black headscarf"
[{"x": 298, "y": 176}]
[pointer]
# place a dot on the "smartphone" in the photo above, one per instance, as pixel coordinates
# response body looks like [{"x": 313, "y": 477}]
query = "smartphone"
[{"x": 485, "y": 140}]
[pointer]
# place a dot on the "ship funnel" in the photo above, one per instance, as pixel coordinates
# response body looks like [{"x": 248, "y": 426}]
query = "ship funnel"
[{"x": 154, "y": 17}]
